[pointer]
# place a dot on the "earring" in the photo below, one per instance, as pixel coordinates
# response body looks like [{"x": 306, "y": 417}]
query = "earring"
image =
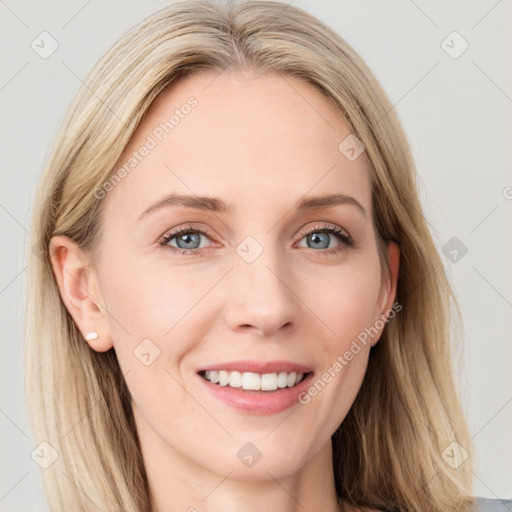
[{"x": 91, "y": 336}]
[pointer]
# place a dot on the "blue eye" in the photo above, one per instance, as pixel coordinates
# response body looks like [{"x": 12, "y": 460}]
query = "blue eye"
[
  {"x": 188, "y": 239},
  {"x": 321, "y": 237}
]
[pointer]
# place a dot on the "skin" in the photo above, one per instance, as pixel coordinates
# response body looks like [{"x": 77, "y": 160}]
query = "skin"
[{"x": 260, "y": 144}]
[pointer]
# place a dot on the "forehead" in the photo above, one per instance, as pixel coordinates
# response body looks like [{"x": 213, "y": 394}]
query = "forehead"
[{"x": 252, "y": 140}]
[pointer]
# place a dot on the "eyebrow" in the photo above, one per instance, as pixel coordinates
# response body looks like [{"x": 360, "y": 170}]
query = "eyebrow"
[{"x": 218, "y": 205}]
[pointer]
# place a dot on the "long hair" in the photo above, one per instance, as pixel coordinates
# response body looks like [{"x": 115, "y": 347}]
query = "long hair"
[{"x": 390, "y": 450}]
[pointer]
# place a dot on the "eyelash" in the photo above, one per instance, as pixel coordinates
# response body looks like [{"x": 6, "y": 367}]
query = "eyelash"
[{"x": 326, "y": 228}]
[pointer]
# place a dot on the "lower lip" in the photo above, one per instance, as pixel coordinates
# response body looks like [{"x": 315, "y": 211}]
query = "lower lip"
[{"x": 259, "y": 402}]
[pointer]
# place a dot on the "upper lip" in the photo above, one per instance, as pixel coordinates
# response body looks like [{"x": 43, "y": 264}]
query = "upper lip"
[{"x": 261, "y": 367}]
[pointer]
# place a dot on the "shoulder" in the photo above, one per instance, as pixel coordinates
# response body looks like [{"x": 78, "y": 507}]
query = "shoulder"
[
  {"x": 481, "y": 505},
  {"x": 492, "y": 505}
]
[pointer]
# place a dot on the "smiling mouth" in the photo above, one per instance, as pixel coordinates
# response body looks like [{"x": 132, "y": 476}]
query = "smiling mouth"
[{"x": 250, "y": 381}]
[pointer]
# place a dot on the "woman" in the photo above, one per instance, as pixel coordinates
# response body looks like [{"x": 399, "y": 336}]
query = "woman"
[{"x": 229, "y": 313}]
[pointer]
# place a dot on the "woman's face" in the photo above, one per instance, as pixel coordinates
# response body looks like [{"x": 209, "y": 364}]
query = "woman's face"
[{"x": 261, "y": 281}]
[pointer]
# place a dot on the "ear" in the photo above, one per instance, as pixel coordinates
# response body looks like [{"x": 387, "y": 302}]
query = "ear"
[
  {"x": 80, "y": 291},
  {"x": 388, "y": 287}
]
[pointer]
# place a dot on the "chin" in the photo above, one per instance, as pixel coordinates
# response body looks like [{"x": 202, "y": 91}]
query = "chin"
[{"x": 263, "y": 459}]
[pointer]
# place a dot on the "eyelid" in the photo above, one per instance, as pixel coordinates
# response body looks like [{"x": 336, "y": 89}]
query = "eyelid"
[{"x": 326, "y": 226}]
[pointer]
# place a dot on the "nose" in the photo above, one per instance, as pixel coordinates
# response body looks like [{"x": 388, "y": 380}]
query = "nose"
[{"x": 261, "y": 297}]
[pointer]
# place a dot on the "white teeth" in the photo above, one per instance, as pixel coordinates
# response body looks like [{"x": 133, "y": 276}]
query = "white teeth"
[
  {"x": 223, "y": 378},
  {"x": 251, "y": 381},
  {"x": 269, "y": 381},
  {"x": 235, "y": 380},
  {"x": 254, "y": 381},
  {"x": 282, "y": 380}
]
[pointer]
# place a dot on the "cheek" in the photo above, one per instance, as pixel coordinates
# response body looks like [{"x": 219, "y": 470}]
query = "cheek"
[
  {"x": 149, "y": 325},
  {"x": 348, "y": 301},
  {"x": 347, "y": 305},
  {"x": 155, "y": 313},
  {"x": 150, "y": 298}
]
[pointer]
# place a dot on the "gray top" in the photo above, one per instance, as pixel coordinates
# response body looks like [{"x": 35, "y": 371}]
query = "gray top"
[{"x": 491, "y": 505}]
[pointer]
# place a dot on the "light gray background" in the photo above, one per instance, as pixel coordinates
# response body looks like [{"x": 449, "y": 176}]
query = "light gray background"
[{"x": 457, "y": 115}]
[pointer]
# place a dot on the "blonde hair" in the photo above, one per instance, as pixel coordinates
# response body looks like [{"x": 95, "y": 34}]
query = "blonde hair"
[{"x": 387, "y": 452}]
